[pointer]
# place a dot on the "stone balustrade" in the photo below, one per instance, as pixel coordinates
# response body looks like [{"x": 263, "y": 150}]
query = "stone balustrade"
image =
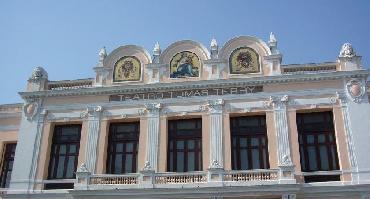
[{"x": 151, "y": 179}]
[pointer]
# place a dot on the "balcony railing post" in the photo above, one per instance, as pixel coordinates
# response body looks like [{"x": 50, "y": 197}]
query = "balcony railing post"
[
  {"x": 82, "y": 178},
  {"x": 147, "y": 176},
  {"x": 216, "y": 176},
  {"x": 286, "y": 174}
]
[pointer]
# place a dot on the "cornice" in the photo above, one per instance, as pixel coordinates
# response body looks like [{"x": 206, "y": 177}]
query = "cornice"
[{"x": 162, "y": 87}]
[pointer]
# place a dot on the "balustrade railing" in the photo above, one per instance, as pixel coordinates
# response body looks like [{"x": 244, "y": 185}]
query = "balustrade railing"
[
  {"x": 180, "y": 178},
  {"x": 115, "y": 179},
  {"x": 151, "y": 179},
  {"x": 251, "y": 175}
]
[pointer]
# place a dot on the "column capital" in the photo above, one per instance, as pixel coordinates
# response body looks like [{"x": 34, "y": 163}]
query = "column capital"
[
  {"x": 92, "y": 111},
  {"x": 277, "y": 102},
  {"x": 213, "y": 106},
  {"x": 153, "y": 107}
]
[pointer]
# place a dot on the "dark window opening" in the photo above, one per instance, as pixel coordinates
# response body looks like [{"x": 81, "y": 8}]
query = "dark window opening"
[
  {"x": 64, "y": 154},
  {"x": 184, "y": 145},
  {"x": 317, "y": 145},
  {"x": 7, "y": 164},
  {"x": 249, "y": 143},
  {"x": 123, "y": 143}
]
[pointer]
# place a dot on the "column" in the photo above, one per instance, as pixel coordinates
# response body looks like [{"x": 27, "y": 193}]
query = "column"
[
  {"x": 216, "y": 150},
  {"x": 28, "y": 146},
  {"x": 93, "y": 115},
  {"x": 153, "y": 110}
]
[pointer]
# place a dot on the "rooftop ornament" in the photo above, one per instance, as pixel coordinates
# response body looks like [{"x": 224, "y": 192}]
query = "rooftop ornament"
[{"x": 347, "y": 51}]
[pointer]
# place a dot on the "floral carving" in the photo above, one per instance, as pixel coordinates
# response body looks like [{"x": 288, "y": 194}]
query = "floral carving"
[{"x": 347, "y": 51}]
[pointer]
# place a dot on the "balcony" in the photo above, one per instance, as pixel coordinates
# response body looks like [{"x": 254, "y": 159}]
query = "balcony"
[{"x": 210, "y": 178}]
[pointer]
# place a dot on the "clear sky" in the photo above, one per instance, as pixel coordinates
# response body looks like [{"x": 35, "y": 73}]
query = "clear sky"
[{"x": 65, "y": 36}]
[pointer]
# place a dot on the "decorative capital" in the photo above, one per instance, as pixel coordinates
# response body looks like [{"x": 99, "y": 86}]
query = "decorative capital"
[
  {"x": 277, "y": 102},
  {"x": 153, "y": 107},
  {"x": 38, "y": 73},
  {"x": 92, "y": 111},
  {"x": 356, "y": 89},
  {"x": 102, "y": 54},
  {"x": 347, "y": 51},
  {"x": 215, "y": 105}
]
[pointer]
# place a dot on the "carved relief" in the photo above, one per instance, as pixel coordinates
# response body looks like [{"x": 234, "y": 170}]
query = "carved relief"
[{"x": 356, "y": 90}]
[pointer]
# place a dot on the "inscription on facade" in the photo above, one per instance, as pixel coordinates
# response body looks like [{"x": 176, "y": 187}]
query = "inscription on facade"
[{"x": 187, "y": 93}]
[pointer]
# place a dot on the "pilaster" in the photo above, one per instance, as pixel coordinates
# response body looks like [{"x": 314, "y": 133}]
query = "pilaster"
[
  {"x": 215, "y": 108},
  {"x": 28, "y": 146},
  {"x": 279, "y": 106},
  {"x": 93, "y": 116},
  {"x": 153, "y": 111}
]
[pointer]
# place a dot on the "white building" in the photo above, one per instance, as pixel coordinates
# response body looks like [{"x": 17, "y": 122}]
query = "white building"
[{"x": 192, "y": 122}]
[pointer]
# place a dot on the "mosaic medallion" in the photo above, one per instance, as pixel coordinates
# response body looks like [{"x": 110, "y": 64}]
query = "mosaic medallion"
[
  {"x": 185, "y": 64},
  {"x": 127, "y": 69},
  {"x": 244, "y": 60}
]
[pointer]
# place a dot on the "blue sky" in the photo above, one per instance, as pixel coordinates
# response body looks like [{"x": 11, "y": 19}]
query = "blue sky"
[{"x": 65, "y": 36}]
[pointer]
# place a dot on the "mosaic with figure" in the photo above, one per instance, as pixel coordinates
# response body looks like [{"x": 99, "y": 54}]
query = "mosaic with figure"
[
  {"x": 185, "y": 64},
  {"x": 127, "y": 69},
  {"x": 244, "y": 60}
]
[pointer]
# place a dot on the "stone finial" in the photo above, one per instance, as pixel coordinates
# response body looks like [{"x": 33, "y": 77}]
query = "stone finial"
[
  {"x": 214, "y": 43},
  {"x": 214, "y": 49},
  {"x": 347, "y": 50},
  {"x": 156, "y": 53},
  {"x": 272, "y": 38},
  {"x": 273, "y": 44},
  {"x": 102, "y": 54},
  {"x": 39, "y": 73},
  {"x": 157, "y": 48}
]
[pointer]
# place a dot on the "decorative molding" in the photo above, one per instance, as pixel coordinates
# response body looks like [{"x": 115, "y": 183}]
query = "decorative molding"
[
  {"x": 356, "y": 89},
  {"x": 277, "y": 102},
  {"x": 82, "y": 168},
  {"x": 199, "y": 85},
  {"x": 30, "y": 110}
]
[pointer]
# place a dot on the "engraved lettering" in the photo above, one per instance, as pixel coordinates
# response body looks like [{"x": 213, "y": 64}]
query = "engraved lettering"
[{"x": 233, "y": 91}]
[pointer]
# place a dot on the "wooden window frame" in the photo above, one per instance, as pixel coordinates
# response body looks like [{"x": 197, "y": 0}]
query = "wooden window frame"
[
  {"x": 114, "y": 140},
  {"x": 259, "y": 132},
  {"x": 327, "y": 129},
  {"x": 7, "y": 158},
  {"x": 55, "y": 148},
  {"x": 173, "y": 137}
]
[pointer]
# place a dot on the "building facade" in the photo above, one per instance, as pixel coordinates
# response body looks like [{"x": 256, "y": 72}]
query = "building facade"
[{"x": 192, "y": 122}]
